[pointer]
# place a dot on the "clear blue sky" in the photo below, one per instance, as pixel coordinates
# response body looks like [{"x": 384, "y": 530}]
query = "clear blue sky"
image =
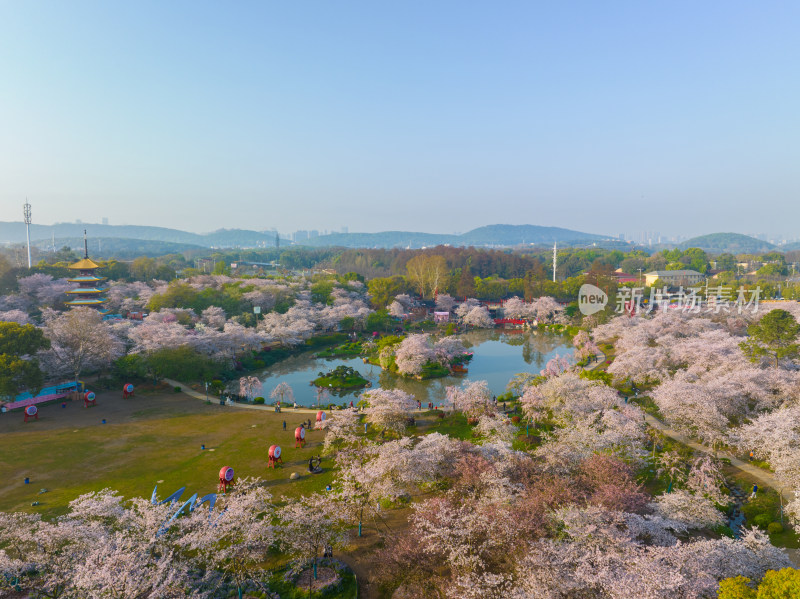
[{"x": 608, "y": 117}]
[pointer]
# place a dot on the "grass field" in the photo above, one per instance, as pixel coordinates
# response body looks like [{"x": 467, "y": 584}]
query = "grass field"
[{"x": 153, "y": 438}]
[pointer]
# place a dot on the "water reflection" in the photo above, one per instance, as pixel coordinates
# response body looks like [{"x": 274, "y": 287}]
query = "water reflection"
[{"x": 499, "y": 355}]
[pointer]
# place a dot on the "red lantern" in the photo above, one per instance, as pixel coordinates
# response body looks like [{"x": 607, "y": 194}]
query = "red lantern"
[
  {"x": 321, "y": 416},
  {"x": 274, "y": 455},
  {"x": 127, "y": 391},
  {"x": 225, "y": 478},
  {"x": 89, "y": 399},
  {"x": 299, "y": 436},
  {"x": 31, "y": 412}
]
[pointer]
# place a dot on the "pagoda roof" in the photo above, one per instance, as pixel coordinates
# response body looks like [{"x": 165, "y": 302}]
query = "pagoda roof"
[
  {"x": 91, "y": 301},
  {"x": 85, "y": 264},
  {"x": 81, "y": 290},
  {"x": 89, "y": 278}
]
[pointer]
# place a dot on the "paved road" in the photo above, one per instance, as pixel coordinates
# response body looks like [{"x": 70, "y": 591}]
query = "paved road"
[
  {"x": 761, "y": 475},
  {"x": 247, "y": 406}
]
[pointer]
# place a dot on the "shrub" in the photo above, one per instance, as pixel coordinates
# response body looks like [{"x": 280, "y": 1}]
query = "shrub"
[
  {"x": 258, "y": 400},
  {"x": 472, "y": 421},
  {"x": 762, "y": 520},
  {"x": 177, "y": 389},
  {"x": 774, "y": 528},
  {"x": 440, "y": 414},
  {"x": 515, "y": 419}
]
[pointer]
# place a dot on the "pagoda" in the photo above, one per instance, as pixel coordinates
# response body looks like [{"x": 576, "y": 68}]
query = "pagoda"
[{"x": 90, "y": 289}]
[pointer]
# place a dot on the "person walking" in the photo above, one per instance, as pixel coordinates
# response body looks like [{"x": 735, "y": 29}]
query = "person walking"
[
  {"x": 755, "y": 490},
  {"x": 284, "y": 425}
]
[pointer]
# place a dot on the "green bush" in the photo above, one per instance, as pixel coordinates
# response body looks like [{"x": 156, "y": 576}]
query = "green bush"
[
  {"x": 258, "y": 400},
  {"x": 762, "y": 520},
  {"x": 177, "y": 389},
  {"x": 515, "y": 419},
  {"x": 774, "y": 528}
]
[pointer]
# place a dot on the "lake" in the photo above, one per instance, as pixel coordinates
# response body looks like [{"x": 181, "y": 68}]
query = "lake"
[{"x": 499, "y": 355}]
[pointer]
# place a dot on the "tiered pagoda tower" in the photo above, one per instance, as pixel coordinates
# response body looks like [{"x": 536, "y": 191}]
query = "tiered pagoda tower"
[{"x": 90, "y": 288}]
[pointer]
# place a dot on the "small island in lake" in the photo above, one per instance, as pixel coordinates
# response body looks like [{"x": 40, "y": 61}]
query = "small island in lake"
[{"x": 341, "y": 377}]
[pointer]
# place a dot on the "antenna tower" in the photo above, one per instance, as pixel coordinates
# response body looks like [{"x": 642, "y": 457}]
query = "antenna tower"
[
  {"x": 27, "y": 213},
  {"x": 555, "y": 260}
]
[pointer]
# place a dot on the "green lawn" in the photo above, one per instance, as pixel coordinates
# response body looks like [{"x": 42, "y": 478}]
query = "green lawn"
[{"x": 69, "y": 452}]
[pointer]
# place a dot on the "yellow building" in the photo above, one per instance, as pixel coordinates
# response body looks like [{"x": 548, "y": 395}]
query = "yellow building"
[
  {"x": 674, "y": 278},
  {"x": 90, "y": 291}
]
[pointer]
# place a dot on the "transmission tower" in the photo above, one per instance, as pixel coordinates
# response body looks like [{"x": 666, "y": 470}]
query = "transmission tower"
[
  {"x": 27, "y": 213},
  {"x": 555, "y": 260}
]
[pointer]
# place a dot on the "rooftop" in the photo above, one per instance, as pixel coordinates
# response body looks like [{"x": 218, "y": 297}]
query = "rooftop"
[{"x": 673, "y": 273}]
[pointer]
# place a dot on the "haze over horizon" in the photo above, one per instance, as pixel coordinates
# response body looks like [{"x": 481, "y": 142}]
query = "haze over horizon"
[{"x": 439, "y": 118}]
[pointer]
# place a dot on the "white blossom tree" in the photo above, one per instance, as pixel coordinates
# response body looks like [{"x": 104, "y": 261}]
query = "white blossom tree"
[{"x": 79, "y": 340}]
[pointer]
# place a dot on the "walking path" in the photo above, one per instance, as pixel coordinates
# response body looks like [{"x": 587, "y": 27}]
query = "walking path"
[
  {"x": 761, "y": 475},
  {"x": 247, "y": 406}
]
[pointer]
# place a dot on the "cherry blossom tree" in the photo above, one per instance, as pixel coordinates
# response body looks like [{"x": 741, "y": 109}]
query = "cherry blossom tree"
[
  {"x": 547, "y": 309},
  {"x": 396, "y": 309},
  {"x": 235, "y": 541},
  {"x": 213, "y": 317},
  {"x": 341, "y": 429},
  {"x": 466, "y": 306},
  {"x": 249, "y": 387},
  {"x": 44, "y": 290},
  {"x": 517, "y": 308},
  {"x": 17, "y": 316},
  {"x": 624, "y": 556},
  {"x": 445, "y": 302},
  {"x": 79, "y": 340},
  {"x": 406, "y": 301},
  {"x": 308, "y": 525},
  {"x": 448, "y": 348},
  {"x": 282, "y": 392},
  {"x": 478, "y": 317},
  {"x": 413, "y": 353},
  {"x": 556, "y": 366},
  {"x": 153, "y": 335},
  {"x": 389, "y": 409},
  {"x": 472, "y": 399}
]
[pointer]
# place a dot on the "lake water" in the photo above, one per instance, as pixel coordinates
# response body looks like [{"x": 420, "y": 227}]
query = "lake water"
[{"x": 499, "y": 355}]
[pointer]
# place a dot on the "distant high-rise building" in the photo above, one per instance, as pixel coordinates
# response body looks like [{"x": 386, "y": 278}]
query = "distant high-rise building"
[
  {"x": 344, "y": 230},
  {"x": 105, "y": 220},
  {"x": 313, "y": 233}
]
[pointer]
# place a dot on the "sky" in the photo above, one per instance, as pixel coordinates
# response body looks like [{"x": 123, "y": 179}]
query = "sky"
[{"x": 606, "y": 117}]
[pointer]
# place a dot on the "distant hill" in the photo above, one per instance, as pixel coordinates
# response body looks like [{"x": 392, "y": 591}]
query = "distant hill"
[
  {"x": 120, "y": 248},
  {"x": 14, "y": 232},
  {"x": 490, "y": 235},
  {"x": 733, "y": 243},
  {"x": 788, "y": 247}
]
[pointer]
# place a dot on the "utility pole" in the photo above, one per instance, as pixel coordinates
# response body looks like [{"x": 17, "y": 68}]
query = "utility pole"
[
  {"x": 555, "y": 260},
  {"x": 27, "y": 213}
]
